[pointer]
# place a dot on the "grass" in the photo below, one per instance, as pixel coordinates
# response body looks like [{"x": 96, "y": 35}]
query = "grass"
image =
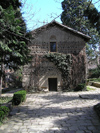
[
  {"x": 94, "y": 79},
  {"x": 5, "y": 99},
  {"x": 89, "y": 88}
]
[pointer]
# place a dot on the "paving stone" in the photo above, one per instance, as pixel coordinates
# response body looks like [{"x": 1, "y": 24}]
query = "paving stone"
[
  {"x": 87, "y": 131},
  {"x": 22, "y": 130},
  {"x": 55, "y": 112},
  {"x": 73, "y": 128},
  {"x": 80, "y": 131},
  {"x": 82, "y": 128}
]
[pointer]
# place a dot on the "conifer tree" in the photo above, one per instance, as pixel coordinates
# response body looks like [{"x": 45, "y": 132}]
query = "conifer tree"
[
  {"x": 14, "y": 38},
  {"x": 76, "y": 15}
]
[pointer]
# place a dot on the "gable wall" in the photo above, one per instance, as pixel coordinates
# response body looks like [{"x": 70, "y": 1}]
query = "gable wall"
[
  {"x": 66, "y": 41},
  {"x": 37, "y": 73}
]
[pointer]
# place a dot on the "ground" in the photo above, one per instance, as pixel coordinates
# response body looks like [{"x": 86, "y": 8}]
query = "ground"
[{"x": 55, "y": 112}]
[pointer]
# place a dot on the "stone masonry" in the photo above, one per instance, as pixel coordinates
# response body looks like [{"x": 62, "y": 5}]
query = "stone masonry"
[
  {"x": 55, "y": 112},
  {"x": 68, "y": 41}
]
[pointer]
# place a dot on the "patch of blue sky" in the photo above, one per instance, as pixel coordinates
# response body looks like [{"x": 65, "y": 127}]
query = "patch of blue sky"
[{"x": 39, "y": 12}]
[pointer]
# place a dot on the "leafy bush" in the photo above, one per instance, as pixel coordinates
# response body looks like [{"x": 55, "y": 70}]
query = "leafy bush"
[
  {"x": 19, "y": 97},
  {"x": 4, "y": 111},
  {"x": 94, "y": 73},
  {"x": 97, "y": 109},
  {"x": 2, "y": 115},
  {"x": 80, "y": 87}
]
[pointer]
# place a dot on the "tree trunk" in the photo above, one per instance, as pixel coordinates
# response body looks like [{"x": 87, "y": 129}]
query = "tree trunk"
[
  {"x": 0, "y": 85},
  {"x": 1, "y": 78}
]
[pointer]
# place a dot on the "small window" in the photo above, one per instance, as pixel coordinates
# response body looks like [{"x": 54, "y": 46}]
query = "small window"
[{"x": 52, "y": 46}]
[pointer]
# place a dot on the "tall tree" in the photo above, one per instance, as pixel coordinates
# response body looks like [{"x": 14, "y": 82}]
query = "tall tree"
[
  {"x": 75, "y": 15},
  {"x": 94, "y": 17},
  {"x": 14, "y": 38}
]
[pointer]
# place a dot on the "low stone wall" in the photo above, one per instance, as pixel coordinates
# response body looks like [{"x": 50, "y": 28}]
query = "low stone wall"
[
  {"x": 92, "y": 83},
  {"x": 96, "y": 84}
]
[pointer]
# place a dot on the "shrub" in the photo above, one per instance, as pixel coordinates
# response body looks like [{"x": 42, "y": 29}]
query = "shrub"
[
  {"x": 2, "y": 115},
  {"x": 19, "y": 97},
  {"x": 97, "y": 109},
  {"x": 80, "y": 87},
  {"x": 94, "y": 73},
  {"x": 4, "y": 111}
]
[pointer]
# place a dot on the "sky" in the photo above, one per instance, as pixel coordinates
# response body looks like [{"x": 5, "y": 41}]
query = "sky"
[{"x": 39, "y": 12}]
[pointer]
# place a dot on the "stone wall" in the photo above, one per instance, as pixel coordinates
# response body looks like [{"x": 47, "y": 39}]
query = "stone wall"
[
  {"x": 36, "y": 74},
  {"x": 78, "y": 70}
]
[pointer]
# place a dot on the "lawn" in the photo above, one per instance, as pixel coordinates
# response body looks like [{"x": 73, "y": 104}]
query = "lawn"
[{"x": 88, "y": 88}]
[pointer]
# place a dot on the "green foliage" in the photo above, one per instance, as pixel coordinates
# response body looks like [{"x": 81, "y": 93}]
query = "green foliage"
[
  {"x": 4, "y": 111},
  {"x": 94, "y": 73},
  {"x": 62, "y": 61},
  {"x": 94, "y": 79},
  {"x": 97, "y": 109},
  {"x": 6, "y": 3},
  {"x": 14, "y": 38},
  {"x": 89, "y": 88},
  {"x": 73, "y": 12},
  {"x": 19, "y": 97},
  {"x": 76, "y": 16},
  {"x": 94, "y": 17},
  {"x": 2, "y": 116},
  {"x": 80, "y": 87}
]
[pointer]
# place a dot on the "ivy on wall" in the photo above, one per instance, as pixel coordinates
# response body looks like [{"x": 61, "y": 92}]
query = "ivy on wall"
[{"x": 63, "y": 62}]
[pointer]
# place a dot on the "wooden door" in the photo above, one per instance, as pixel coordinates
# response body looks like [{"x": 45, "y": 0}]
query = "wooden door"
[{"x": 52, "y": 84}]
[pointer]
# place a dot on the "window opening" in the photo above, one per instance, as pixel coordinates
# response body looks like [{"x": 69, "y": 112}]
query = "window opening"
[{"x": 52, "y": 46}]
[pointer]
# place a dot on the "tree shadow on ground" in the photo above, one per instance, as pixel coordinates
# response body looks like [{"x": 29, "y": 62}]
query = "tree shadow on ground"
[
  {"x": 78, "y": 96},
  {"x": 63, "y": 112},
  {"x": 67, "y": 120}
]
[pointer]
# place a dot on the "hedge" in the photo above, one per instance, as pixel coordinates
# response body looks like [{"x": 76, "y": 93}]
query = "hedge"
[
  {"x": 4, "y": 111},
  {"x": 80, "y": 87},
  {"x": 19, "y": 97},
  {"x": 97, "y": 109}
]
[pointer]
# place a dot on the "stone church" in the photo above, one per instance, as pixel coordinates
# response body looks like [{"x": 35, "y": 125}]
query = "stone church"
[{"x": 42, "y": 74}]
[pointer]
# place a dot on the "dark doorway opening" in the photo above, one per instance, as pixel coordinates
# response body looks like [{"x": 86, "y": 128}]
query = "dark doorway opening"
[{"x": 52, "y": 84}]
